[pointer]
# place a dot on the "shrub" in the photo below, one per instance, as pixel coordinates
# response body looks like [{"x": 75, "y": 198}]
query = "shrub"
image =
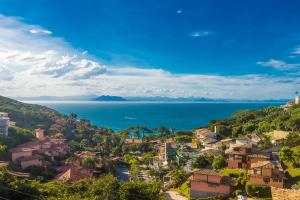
[{"x": 258, "y": 190}]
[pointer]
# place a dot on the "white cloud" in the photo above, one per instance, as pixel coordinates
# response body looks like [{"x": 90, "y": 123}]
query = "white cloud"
[
  {"x": 278, "y": 64},
  {"x": 203, "y": 33},
  {"x": 35, "y": 64},
  {"x": 39, "y": 31}
]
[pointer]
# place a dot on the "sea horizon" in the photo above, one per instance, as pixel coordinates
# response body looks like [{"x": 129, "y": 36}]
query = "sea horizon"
[{"x": 178, "y": 115}]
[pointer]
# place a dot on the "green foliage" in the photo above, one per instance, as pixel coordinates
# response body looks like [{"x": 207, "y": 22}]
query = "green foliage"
[
  {"x": 259, "y": 121},
  {"x": 258, "y": 191},
  {"x": 219, "y": 162},
  {"x": 286, "y": 154},
  {"x": 147, "y": 157},
  {"x": 16, "y": 136},
  {"x": 46, "y": 173},
  {"x": 183, "y": 138},
  {"x": 104, "y": 188},
  {"x": 265, "y": 142},
  {"x": 202, "y": 162},
  {"x": 140, "y": 190},
  {"x": 3, "y": 152},
  {"x": 239, "y": 177},
  {"x": 28, "y": 115},
  {"x": 184, "y": 189},
  {"x": 178, "y": 176}
]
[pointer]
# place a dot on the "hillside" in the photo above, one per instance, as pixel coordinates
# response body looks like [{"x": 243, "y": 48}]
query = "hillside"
[
  {"x": 28, "y": 116},
  {"x": 259, "y": 121}
]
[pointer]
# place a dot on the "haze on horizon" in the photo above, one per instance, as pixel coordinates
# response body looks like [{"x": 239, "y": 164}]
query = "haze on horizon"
[{"x": 213, "y": 49}]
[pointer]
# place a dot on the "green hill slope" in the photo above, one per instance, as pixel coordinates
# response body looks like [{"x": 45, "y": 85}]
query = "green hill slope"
[{"x": 28, "y": 116}]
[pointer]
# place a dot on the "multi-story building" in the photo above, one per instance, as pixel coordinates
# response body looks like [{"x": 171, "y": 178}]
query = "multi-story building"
[
  {"x": 238, "y": 155},
  {"x": 267, "y": 173},
  {"x": 206, "y": 183},
  {"x": 167, "y": 152}
]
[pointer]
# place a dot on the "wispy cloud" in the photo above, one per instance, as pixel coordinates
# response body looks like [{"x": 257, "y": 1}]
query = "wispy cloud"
[
  {"x": 278, "y": 64},
  {"x": 202, "y": 33},
  {"x": 296, "y": 51},
  {"x": 39, "y": 31},
  {"x": 34, "y": 64}
]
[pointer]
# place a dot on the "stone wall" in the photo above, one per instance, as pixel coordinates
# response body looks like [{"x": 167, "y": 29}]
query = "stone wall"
[{"x": 285, "y": 194}]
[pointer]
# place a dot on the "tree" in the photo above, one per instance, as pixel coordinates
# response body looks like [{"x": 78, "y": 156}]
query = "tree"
[
  {"x": 178, "y": 176},
  {"x": 90, "y": 162},
  {"x": 104, "y": 188},
  {"x": 183, "y": 138},
  {"x": 286, "y": 154},
  {"x": 265, "y": 142},
  {"x": 297, "y": 155},
  {"x": 84, "y": 143},
  {"x": 3, "y": 152},
  {"x": 202, "y": 162},
  {"x": 147, "y": 157},
  {"x": 219, "y": 162}
]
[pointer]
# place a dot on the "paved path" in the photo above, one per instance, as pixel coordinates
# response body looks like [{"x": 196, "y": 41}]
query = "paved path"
[{"x": 172, "y": 195}]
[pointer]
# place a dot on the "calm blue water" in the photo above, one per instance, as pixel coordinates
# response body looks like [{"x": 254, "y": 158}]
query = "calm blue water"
[{"x": 182, "y": 116}]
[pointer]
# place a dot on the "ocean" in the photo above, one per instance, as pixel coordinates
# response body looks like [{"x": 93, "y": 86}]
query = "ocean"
[{"x": 181, "y": 116}]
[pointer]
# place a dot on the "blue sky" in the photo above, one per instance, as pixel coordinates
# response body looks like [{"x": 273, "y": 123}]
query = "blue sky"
[{"x": 209, "y": 48}]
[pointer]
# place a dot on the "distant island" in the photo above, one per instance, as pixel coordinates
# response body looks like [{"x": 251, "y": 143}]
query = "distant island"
[{"x": 109, "y": 98}]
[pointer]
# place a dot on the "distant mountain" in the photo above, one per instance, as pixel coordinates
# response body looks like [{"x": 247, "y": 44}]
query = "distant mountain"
[
  {"x": 149, "y": 99},
  {"x": 109, "y": 98}
]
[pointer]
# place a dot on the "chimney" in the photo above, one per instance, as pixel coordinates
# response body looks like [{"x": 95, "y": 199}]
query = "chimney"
[
  {"x": 215, "y": 129},
  {"x": 39, "y": 134}
]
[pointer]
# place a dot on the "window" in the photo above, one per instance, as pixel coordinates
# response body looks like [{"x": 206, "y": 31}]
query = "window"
[{"x": 266, "y": 179}]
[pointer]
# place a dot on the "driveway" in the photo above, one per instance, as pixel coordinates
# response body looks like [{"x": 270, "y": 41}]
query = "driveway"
[{"x": 172, "y": 195}]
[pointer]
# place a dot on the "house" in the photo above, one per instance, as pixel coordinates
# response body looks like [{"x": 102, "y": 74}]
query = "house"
[
  {"x": 253, "y": 158},
  {"x": 205, "y": 136},
  {"x": 73, "y": 173},
  {"x": 133, "y": 141},
  {"x": 268, "y": 173},
  {"x": 210, "y": 151},
  {"x": 225, "y": 142},
  {"x": 252, "y": 138},
  {"x": 206, "y": 183},
  {"x": 34, "y": 160},
  {"x": 31, "y": 153},
  {"x": 277, "y": 135},
  {"x": 167, "y": 152},
  {"x": 238, "y": 155},
  {"x": 74, "y": 169}
]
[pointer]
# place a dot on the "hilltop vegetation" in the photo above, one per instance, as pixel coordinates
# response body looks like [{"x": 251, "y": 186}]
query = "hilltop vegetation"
[
  {"x": 259, "y": 121},
  {"x": 29, "y": 116}
]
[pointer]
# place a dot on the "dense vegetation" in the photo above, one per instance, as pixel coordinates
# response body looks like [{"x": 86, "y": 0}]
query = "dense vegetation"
[
  {"x": 104, "y": 188},
  {"x": 259, "y": 121},
  {"x": 28, "y": 116}
]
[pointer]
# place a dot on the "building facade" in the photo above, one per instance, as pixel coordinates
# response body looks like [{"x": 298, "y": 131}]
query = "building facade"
[{"x": 208, "y": 183}]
